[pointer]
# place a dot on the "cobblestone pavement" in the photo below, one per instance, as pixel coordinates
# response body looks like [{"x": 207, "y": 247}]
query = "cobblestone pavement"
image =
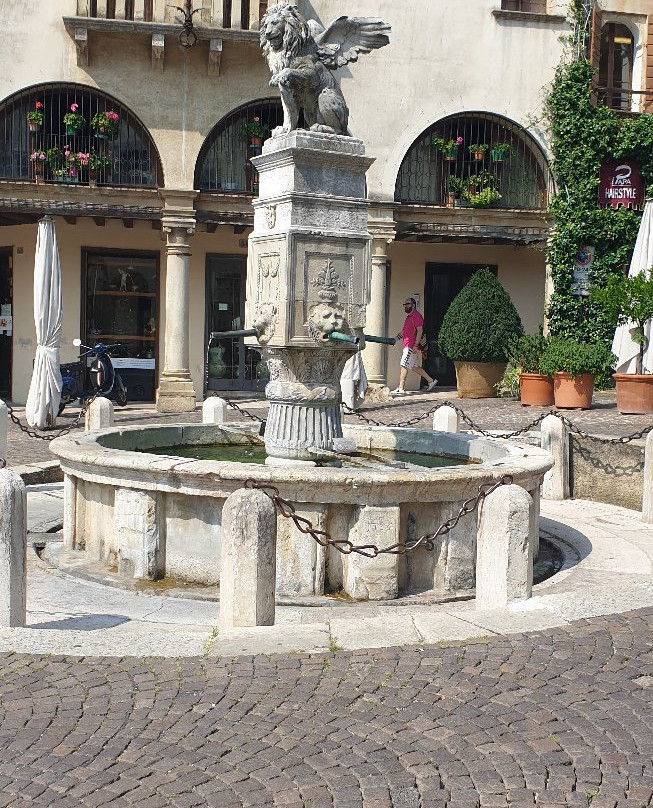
[
  {"x": 559, "y": 717},
  {"x": 487, "y": 413}
]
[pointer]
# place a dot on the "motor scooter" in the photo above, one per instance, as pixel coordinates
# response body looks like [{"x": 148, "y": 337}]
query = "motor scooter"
[{"x": 102, "y": 374}]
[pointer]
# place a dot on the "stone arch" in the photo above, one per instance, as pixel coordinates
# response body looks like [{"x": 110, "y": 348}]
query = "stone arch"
[
  {"x": 223, "y": 162},
  {"x": 131, "y": 154},
  {"x": 521, "y": 175}
]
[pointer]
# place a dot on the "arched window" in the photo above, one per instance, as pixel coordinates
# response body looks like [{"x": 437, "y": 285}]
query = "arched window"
[
  {"x": 616, "y": 66},
  {"x": 223, "y": 162},
  {"x": 475, "y": 160},
  {"x": 105, "y": 144}
]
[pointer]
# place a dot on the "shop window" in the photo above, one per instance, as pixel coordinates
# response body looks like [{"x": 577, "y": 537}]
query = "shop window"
[
  {"x": 120, "y": 305},
  {"x": 475, "y": 160},
  {"x": 223, "y": 163},
  {"x": 616, "y": 66}
]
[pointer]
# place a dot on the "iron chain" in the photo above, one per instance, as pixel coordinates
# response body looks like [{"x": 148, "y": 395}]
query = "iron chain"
[
  {"x": 243, "y": 412},
  {"x": 30, "y": 432},
  {"x": 346, "y": 547},
  {"x": 479, "y": 430}
]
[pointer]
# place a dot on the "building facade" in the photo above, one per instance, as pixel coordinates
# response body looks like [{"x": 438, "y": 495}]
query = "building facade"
[{"x": 153, "y": 207}]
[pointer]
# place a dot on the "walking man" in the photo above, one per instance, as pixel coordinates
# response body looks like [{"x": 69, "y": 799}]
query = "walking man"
[{"x": 411, "y": 355}]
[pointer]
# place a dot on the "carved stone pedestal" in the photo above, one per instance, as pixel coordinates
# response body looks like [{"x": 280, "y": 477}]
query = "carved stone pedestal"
[
  {"x": 308, "y": 276},
  {"x": 304, "y": 396}
]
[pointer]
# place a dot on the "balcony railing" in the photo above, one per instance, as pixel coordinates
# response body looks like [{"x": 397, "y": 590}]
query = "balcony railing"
[
  {"x": 241, "y": 14},
  {"x": 625, "y": 99}
]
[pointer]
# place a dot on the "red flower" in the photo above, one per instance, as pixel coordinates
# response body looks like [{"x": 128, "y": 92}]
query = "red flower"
[{"x": 38, "y": 105}]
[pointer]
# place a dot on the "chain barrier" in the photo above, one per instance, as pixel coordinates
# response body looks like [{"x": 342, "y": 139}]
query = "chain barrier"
[
  {"x": 244, "y": 412},
  {"x": 30, "y": 432},
  {"x": 346, "y": 547},
  {"x": 504, "y": 435}
]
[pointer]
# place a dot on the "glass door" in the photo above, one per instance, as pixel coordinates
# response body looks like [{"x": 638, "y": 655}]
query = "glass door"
[
  {"x": 442, "y": 284},
  {"x": 230, "y": 364}
]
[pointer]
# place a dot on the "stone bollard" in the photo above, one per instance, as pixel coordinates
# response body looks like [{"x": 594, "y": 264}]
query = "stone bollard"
[
  {"x": 504, "y": 554},
  {"x": 99, "y": 414},
  {"x": 4, "y": 419},
  {"x": 248, "y": 560},
  {"x": 647, "y": 499},
  {"x": 555, "y": 439},
  {"x": 214, "y": 410},
  {"x": 13, "y": 549},
  {"x": 446, "y": 419}
]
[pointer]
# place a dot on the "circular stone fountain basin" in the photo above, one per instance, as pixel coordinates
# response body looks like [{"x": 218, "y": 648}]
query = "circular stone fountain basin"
[{"x": 153, "y": 515}]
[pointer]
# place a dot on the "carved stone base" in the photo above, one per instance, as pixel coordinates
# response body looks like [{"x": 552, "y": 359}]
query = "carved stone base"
[
  {"x": 291, "y": 429},
  {"x": 175, "y": 394},
  {"x": 304, "y": 396}
]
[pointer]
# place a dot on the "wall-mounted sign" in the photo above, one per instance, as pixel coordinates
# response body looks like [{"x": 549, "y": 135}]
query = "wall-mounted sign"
[
  {"x": 6, "y": 325},
  {"x": 621, "y": 183},
  {"x": 582, "y": 264}
]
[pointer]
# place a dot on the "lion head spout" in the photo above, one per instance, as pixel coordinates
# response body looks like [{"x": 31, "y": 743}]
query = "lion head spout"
[{"x": 284, "y": 34}]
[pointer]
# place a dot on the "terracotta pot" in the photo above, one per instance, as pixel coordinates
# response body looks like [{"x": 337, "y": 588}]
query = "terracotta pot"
[
  {"x": 477, "y": 379},
  {"x": 573, "y": 393},
  {"x": 32, "y": 126},
  {"x": 451, "y": 200},
  {"x": 634, "y": 392},
  {"x": 479, "y": 155},
  {"x": 535, "y": 390},
  {"x": 255, "y": 141}
]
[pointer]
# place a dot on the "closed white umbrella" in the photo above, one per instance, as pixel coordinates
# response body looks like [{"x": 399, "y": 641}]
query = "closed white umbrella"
[
  {"x": 45, "y": 388},
  {"x": 623, "y": 345}
]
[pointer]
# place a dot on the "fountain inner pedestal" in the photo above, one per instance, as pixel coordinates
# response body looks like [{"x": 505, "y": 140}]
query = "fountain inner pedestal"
[{"x": 308, "y": 277}]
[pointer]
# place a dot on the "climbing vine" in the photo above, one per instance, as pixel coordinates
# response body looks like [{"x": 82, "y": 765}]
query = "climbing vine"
[{"x": 583, "y": 134}]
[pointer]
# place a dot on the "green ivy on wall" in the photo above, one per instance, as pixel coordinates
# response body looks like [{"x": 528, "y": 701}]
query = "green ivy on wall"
[{"x": 583, "y": 135}]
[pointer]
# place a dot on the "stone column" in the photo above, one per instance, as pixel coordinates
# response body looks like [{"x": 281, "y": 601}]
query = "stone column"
[
  {"x": 504, "y": 560},
  {"x": 555, "y": 439},
  {"x": 375, "y": 355},
  {"x": 13, "y": 549},
  {"x": 99, "y": 415},
  {"x": 247, "y": 565},
  {"x": 175, "y": 392}
]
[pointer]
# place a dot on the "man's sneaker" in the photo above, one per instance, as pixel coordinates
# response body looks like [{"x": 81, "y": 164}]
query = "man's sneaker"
[
  {"x": 431, "y": 386},
  {"x": 398, "y": 392}
]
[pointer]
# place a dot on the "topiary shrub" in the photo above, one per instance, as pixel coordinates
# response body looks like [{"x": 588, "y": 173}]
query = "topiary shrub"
[{"x": 480, "y": 322}]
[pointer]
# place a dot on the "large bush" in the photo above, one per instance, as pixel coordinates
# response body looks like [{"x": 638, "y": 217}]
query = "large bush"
[{"x": 480, "y": 322}]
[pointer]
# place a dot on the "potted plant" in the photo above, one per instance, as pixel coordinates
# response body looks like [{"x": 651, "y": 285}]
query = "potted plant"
[
  {"x": 105, "y": 124},
  {"x": 448, "y": 148},
  {"x": 97, "y": 166},
  {"x": 35, "y": 117},
  {"x": 38, "y": 159},
  {"x": 574, "y": 365},
  {"x": 499, "y": 151},
  {"x": 629, "y": 301},
  {"x": 73, "y": 120},
  {"x": 477, "y": 150},
  {"x": 481, "y": 191},
  {"x": 525, "y": 353},
  {"x": 54, "y": 158},
  {"x": 456, "y": 186},
  {"x": 475, "y": 333},
  {"x": 255, "y": 131}
]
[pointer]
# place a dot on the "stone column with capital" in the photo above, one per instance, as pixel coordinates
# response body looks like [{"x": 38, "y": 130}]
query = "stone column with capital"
[
  {"x": 175, "y": 392},
  {"x": 375, "y": 354}
]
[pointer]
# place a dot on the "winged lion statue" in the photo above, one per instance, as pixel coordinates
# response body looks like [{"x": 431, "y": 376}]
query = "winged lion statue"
[{"x": 301, "y": 55}]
